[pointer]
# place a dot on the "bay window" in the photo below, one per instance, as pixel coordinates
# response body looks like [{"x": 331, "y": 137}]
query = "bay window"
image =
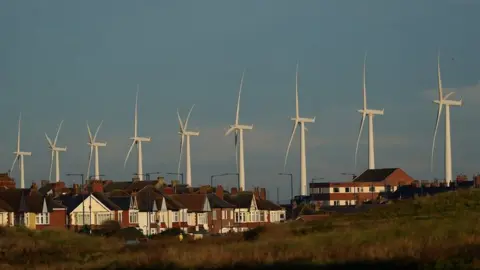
[
  {"x": 133, "y": 216},
  {"x": 42, "y": 219}
]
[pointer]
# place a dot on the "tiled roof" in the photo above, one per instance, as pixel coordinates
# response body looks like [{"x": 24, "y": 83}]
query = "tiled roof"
[
  {"x": 5, "y": 207},
  {"x": 172, "y": 204},
  {"x": 240, "y": 200},
  {"x": 122, "y": 202},
  {"x": 117, "y": 186},
  {"x": 374, "y": 175},
  {"x": 146, "y": 197},
  {"x": 71, "y": 201},
  {"x": 268, "y": 205},
  {"x": 33, "y": 200},
  {"x": 106, "y": 201},
  {"x": 193, "y": 202},
  {"x": 216, "y": 202}
]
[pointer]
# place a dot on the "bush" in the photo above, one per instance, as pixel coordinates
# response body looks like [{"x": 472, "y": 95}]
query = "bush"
[{"x": 253, "y": 234}]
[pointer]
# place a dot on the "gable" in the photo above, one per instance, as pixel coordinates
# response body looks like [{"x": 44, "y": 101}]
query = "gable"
[
  {"x": 44, "y": 208},
  {"x": 206, "y": 205},
  {"x": 92, "y": 201},
  {"x": 164, "y": 205},
  {"x": 154, "y": 206},
  {"x": 133, "y": 203},
  {"x": 253, "y": 205},
  {"x": 398, "y": 177}
]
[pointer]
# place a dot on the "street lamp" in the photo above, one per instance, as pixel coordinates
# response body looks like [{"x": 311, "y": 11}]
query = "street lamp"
[
  {"x": 177, "y": 174},
  {"x": 221, "y": 174},
  {"x": 83, "y": 198}
]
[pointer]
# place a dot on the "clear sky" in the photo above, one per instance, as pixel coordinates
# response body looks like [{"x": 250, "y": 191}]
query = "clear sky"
[{"x": 82, "y": 60}]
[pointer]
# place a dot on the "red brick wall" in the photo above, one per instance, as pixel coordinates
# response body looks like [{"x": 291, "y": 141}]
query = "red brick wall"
[
  {"x": 57, "y": 220},
  {"x": 215, "y": 226},
  {"x": 399, "y": 177}
]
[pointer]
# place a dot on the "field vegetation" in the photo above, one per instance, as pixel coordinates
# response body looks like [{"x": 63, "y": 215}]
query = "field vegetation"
[{"x": 440, "y": 232}]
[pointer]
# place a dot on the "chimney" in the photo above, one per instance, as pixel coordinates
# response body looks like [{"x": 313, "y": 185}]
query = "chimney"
[
  {"x": 219, "y": 192},
  {"x": 97, "y": 186},
  {"x": 203, "y": 189},
  {"x": 263, "y": 194},
  {"x": 75, "y": 189},
  {"x": 234, "y": 191},
  {"x": 160, "y": 181},
  {"x": 168, "y": 190},
  {"x": 256, "y": 193},
  {"x": 34, "y": 186}
]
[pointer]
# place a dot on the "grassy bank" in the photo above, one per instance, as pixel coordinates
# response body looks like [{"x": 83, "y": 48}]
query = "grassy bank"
[{"x": 439, "y": 232}]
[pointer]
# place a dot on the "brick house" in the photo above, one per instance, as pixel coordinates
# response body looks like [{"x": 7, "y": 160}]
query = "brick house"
[
  {"x": 221, "y": 219},
  {"x": 366, "y": 187},
  {"x": 198, "y": 209}
]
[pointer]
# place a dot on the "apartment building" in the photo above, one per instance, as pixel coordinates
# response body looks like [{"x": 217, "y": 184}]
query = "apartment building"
[{"x": 366, "y": 187}]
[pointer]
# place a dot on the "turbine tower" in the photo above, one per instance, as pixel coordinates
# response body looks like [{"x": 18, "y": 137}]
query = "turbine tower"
[
  {"x": 19, "y": 155},
  {"x": 94, "y": 145},
  {"x": 55, "y": 152},
  {"x": 138, "y": 141},
  {"x": 303, "y": 156},
  {"x": 184, "y": 132},
  {"x": 443, "y": 100},
  {"x": 238, "y": 129},
  {"x": 365, "y": 111}
]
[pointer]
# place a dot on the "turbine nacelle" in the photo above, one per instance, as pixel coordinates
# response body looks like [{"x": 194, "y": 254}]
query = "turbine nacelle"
[
  {"x": 97, "y": 144},
  {"x": 303, "y": 120},
  {"x": 141, "y": 139},
  {"x": 371, "y": 112},
  {"x": 59, "y": 149},
  {"x": 23, "y": 153},
  {"x": 190, "y": 133},
  {"x": 449, "y": 102}
]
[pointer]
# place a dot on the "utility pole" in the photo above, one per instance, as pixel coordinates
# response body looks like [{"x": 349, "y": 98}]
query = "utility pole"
[{"x": 278, "y": 195}]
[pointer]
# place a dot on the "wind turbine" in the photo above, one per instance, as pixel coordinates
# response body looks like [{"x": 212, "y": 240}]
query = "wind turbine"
[
  {"x": 303, "y": 157},
  {"x": 443, "y": 100},
  {"x": 365, "y": 111},
  {"x": 184, "y": 132},
  {"x": 138, "y": 141},
  {"x": 94, "y": 146},
  {"x": 19, "y": 155},
  {"x": 238, "y": 129},
  {"x": 55, "y": 152}
]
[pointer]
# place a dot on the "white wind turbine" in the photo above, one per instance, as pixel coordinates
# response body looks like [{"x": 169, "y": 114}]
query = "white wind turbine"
[
  {"x": 365, "y": 111},
  {"x": 94, "y": 145},
  {"x": 443, "y": 100},
  {"x": 138, "y": 141},
  {"x": 55, "y": 152},
  {"x": 19, "y": 155},
  {"x": 238, "y": 129},
  {"x": 184, "y": 132},
  {"x": 303, "y": 156}
]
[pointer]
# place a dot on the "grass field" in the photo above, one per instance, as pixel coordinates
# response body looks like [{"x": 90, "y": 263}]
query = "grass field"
[{"x": 438, "y": 232}]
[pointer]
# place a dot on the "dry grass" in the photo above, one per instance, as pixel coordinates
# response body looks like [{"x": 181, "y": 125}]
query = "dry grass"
[{"x": 431, "y": 233}]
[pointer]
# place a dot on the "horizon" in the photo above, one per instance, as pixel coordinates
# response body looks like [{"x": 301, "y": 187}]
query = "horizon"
[{"x": 81, "y": 62}]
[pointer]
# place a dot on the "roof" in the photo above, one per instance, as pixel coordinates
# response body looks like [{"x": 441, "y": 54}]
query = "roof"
[
  {"x": 172, "y": 204},
  {"x": 146, "y": 196},
  {"x": 122, "y": 202},
  {"x": 193, "y": 202},
  {"x": 5, "y": 207},
  {"x": 375, "y": 175},
  {"x": 106, "y": 201},
  {"x": 116, "y": 186},
  {"x": 241, "y": 199},
  {"x": 268, "y": 205},
  {"x": 71, "y": 201},
  {"x": 26, "y": 200},
  {"x": 216, "y": 202}
]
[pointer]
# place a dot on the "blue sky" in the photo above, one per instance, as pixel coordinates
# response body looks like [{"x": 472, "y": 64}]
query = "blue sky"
[{"x": 82, "y": 60}]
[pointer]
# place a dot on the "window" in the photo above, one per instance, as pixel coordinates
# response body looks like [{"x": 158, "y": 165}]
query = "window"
[
  {"x": 133, "y": 216},
  {"x": 224, "y": 214},
  {"x": 79, "y": 217},
  {"x": 119, "y": 217},
  {"x": 175, "y": 217},
  {"x": 372, "y": 189},
  {"x": 42, "y": 219},
  {"x": 336, "y": 203},
  {"x": 262, "y": 216},
  {"x": 153, "y": 217},
  {"x": 231, "y": 214},
  {"x": 336, "y": 189},
  {"x": 153, "y": 231},
  {"x": 282, "y": 216},
  {"x": 202, "y": 218},
  {"x": 26, "y": 219},
  {"x": 253, "y": 216},
  {"x": 103, "y": 216},
  {"x": 347, "y": 202},
  {"x": 347, "y": 189},
  {"x": 359, "y": 189},
  {"x": 214, "y": 215},
  {"x": 240, "y": 217}
]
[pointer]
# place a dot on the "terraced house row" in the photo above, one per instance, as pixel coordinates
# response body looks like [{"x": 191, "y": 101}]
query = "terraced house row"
[{"x": 151, "y": 206}]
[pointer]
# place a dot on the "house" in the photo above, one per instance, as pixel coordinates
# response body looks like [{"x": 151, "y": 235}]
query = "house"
[
  {"x": 6, "y": 214},
  {"x": 366, "y": 187},
  {"x": 198, "y": 209},
  {"x": 32, "y": 210},
  {"x": 246, "y": 213},
  {"x": 90, "y": 209},
  {"x": 221, "y": 219}
]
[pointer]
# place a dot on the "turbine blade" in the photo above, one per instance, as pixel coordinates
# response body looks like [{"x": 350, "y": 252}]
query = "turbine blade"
[
  {"x": 58, "y": 132},
  {"x": 448, "y": 95},
  {"x": 51, "y": 166},
  {"x": 364, "y": 82},
  {"x": 136, "y": 113},
  {"x": 14, "y": 161},
  {"x": 238, "y": 101},
  {"x": 297, "y": 114},
  {"x": 359, "y": 136},
  {"x": 289, "y": 144},
  {"x": 128, "y": 154},
  {"x": 439, "y": 114},
  {"x": 49, "y": 141},
  {"x": 89, "y": 133},
  {"x": 180, "y": 122},
  {"x": 229, "y": 131},
  {"x": 440, "y": 88},
  {"x": 19, "y": 132},
  {"x": 182, "y": 137},
  {"x": 188, "y": 116},
  {"x": 96, "y": 132},
  {"x": 89, "y": 161}
]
